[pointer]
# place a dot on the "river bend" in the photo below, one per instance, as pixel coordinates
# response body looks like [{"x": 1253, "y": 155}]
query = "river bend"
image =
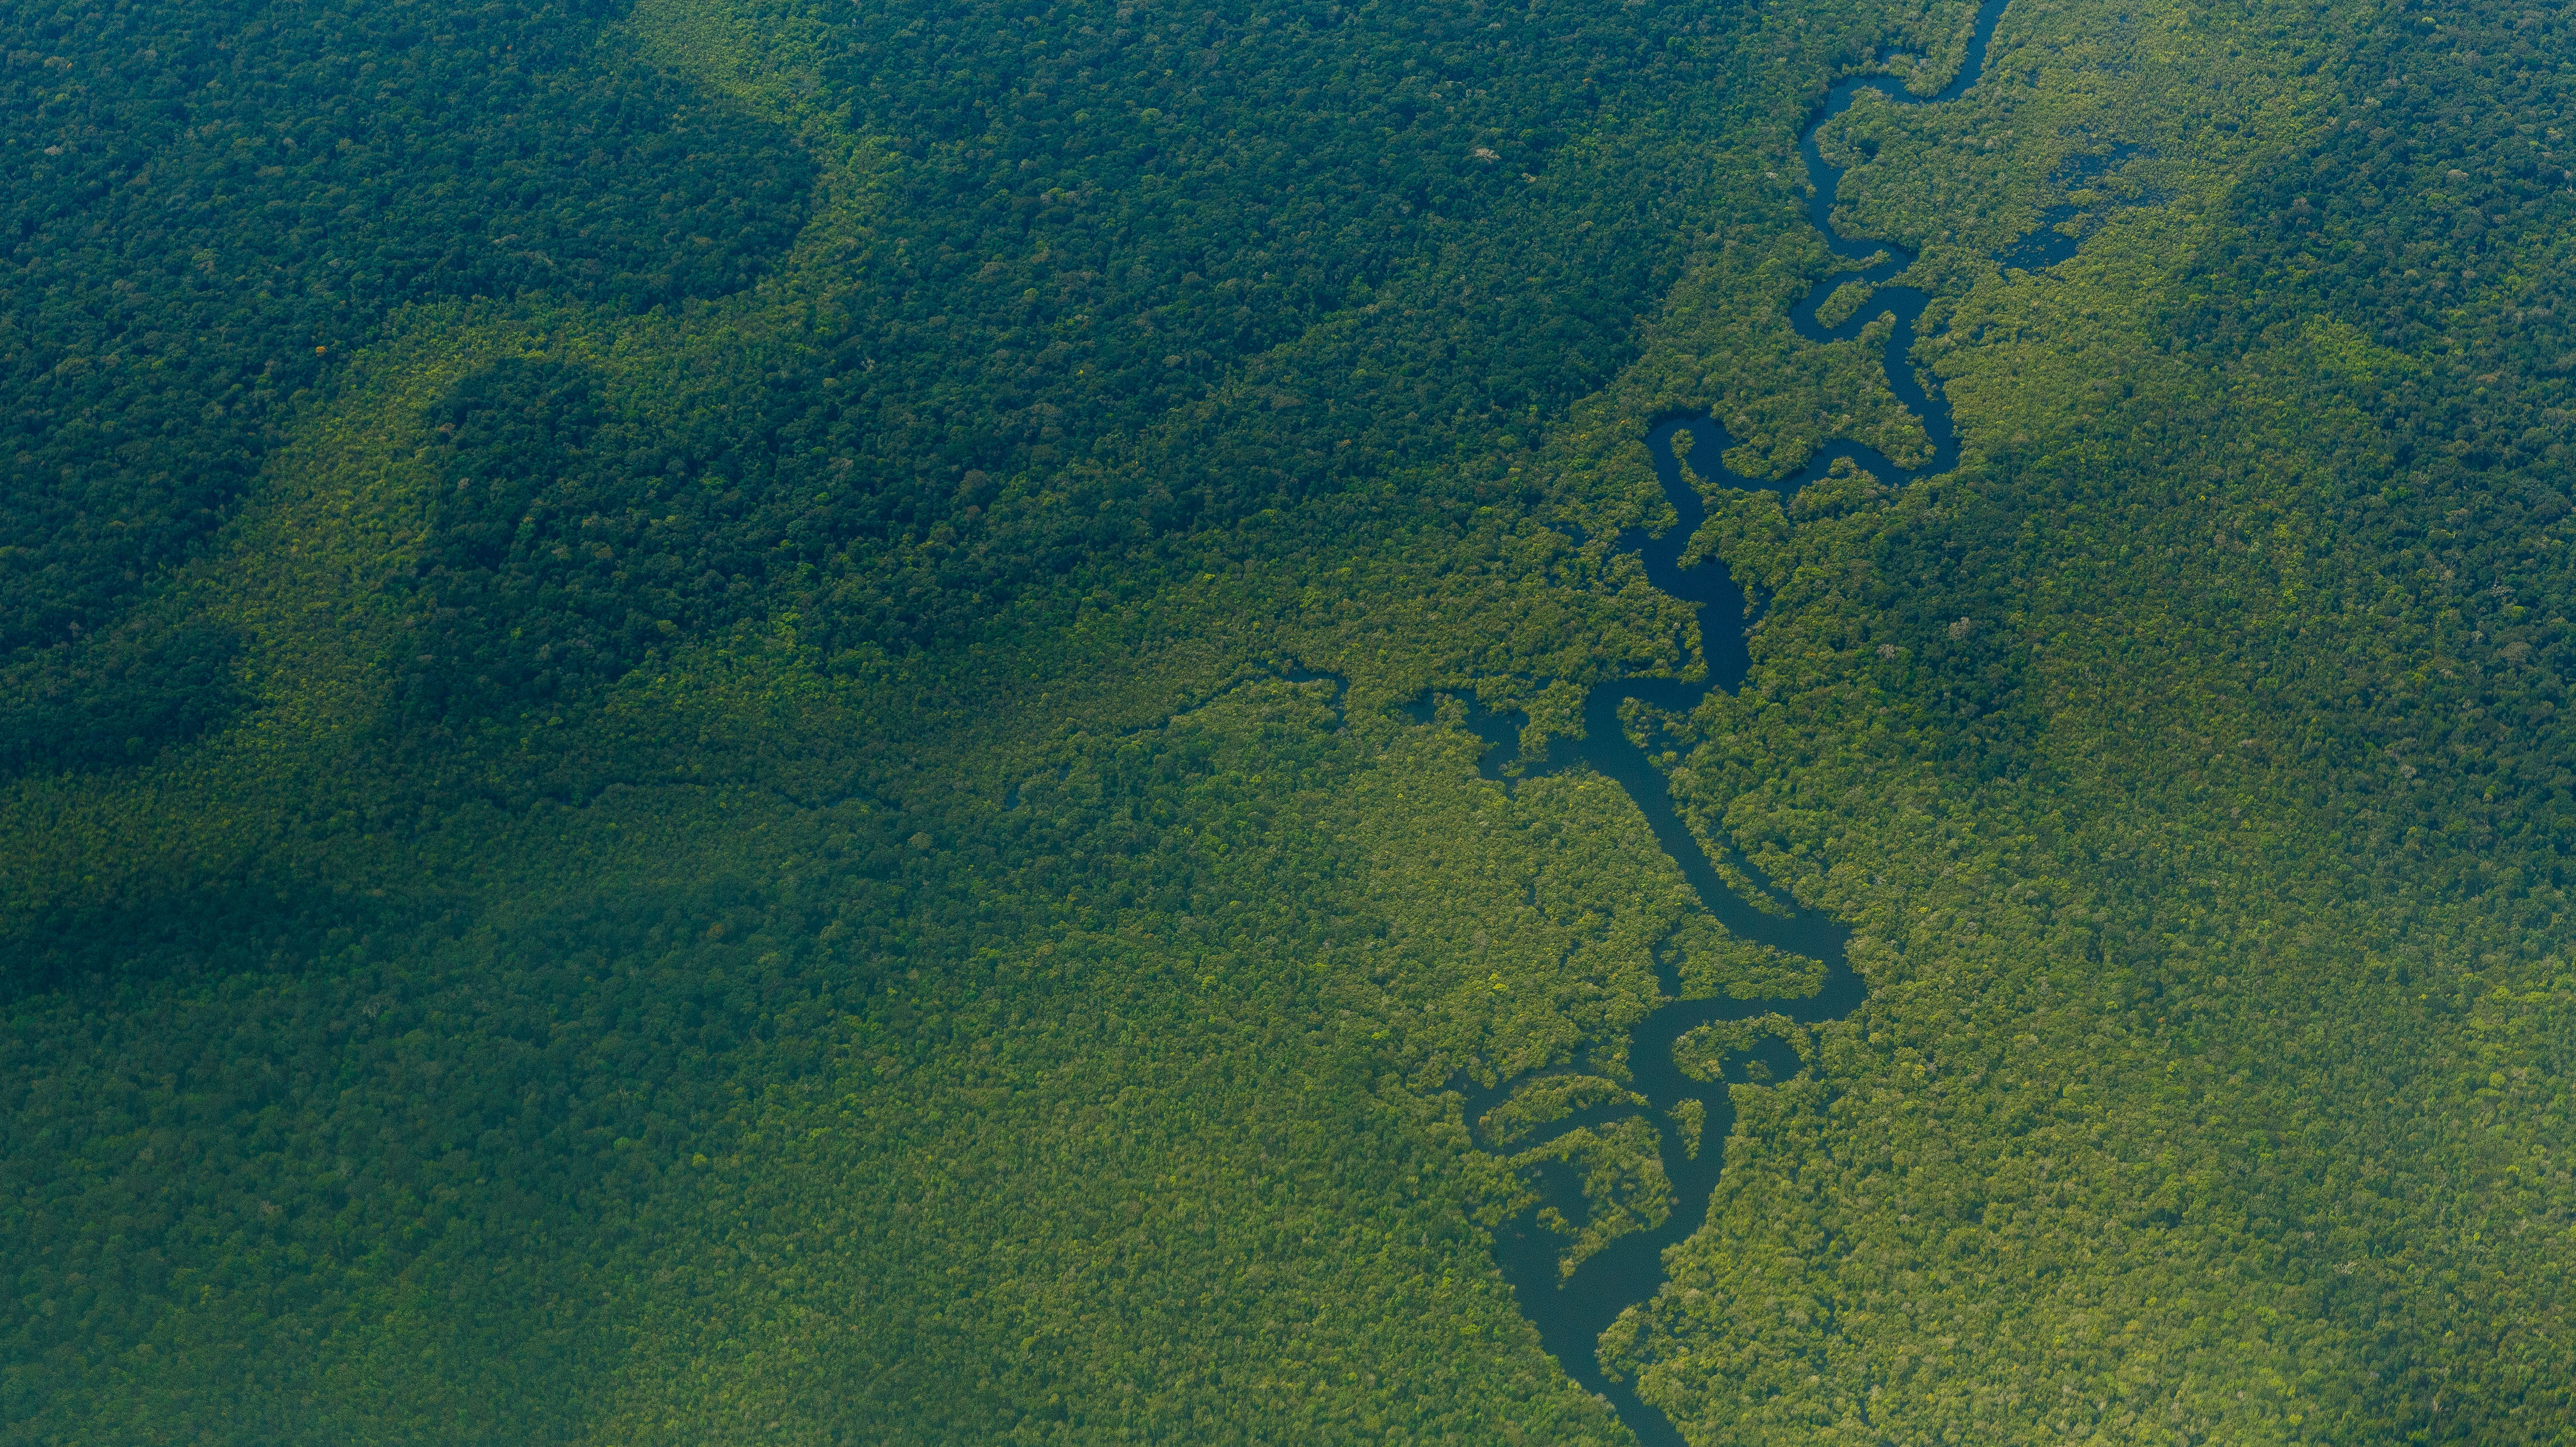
[{"x": 1571, "y": 1313}]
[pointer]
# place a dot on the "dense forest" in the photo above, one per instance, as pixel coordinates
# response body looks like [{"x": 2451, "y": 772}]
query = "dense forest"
[{"x": 747, "y": 720}]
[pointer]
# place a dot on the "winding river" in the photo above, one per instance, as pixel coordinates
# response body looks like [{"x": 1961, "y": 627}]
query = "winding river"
[{"x": 1572, "y": 1312}]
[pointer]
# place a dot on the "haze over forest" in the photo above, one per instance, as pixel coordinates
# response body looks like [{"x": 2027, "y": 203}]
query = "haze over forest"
[{"x": 1587, "y": 722}]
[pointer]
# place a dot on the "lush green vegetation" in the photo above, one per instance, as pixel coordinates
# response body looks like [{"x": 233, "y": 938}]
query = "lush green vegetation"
[
  {"x": 218, "y": 195},
  {"x": 654, "y": 789}
]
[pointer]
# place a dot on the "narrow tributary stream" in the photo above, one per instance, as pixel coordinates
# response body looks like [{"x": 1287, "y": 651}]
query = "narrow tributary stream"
[{"x": 1571, "y": 1312}]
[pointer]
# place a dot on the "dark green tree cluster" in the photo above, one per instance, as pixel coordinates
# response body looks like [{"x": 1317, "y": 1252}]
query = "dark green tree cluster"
[
  {"x": 384, "y": 1114},
  {"x": 117, "y": 701},
  {"x": 565, "y": 543},
  {"x": 1108, "y": 223},
  {"x": 2429, "y": 216},
  {"x": 1023, "y": 387},
  {"x": 220, "y": 199}
]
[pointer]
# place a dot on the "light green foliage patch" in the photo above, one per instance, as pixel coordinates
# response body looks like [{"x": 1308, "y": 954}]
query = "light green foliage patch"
[
  {"x": 1710, "y": 962},
  {"x": 1703, "y": 1053},
  {"x": 1546, "y": 1100}
]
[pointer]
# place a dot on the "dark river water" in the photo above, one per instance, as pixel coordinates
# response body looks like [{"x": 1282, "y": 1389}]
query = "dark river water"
[{"x": 1570, "y": 1313}]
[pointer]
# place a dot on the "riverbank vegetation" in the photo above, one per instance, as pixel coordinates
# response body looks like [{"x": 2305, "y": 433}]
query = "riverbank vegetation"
[{"x": 705, "y": 721}]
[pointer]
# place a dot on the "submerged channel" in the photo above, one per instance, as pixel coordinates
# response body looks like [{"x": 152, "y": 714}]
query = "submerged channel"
[{"x": 1572, "y": 1311}]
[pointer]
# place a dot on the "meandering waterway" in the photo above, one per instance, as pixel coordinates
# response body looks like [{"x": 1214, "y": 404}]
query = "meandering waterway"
[{"x": 1571, "y": 1312}]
